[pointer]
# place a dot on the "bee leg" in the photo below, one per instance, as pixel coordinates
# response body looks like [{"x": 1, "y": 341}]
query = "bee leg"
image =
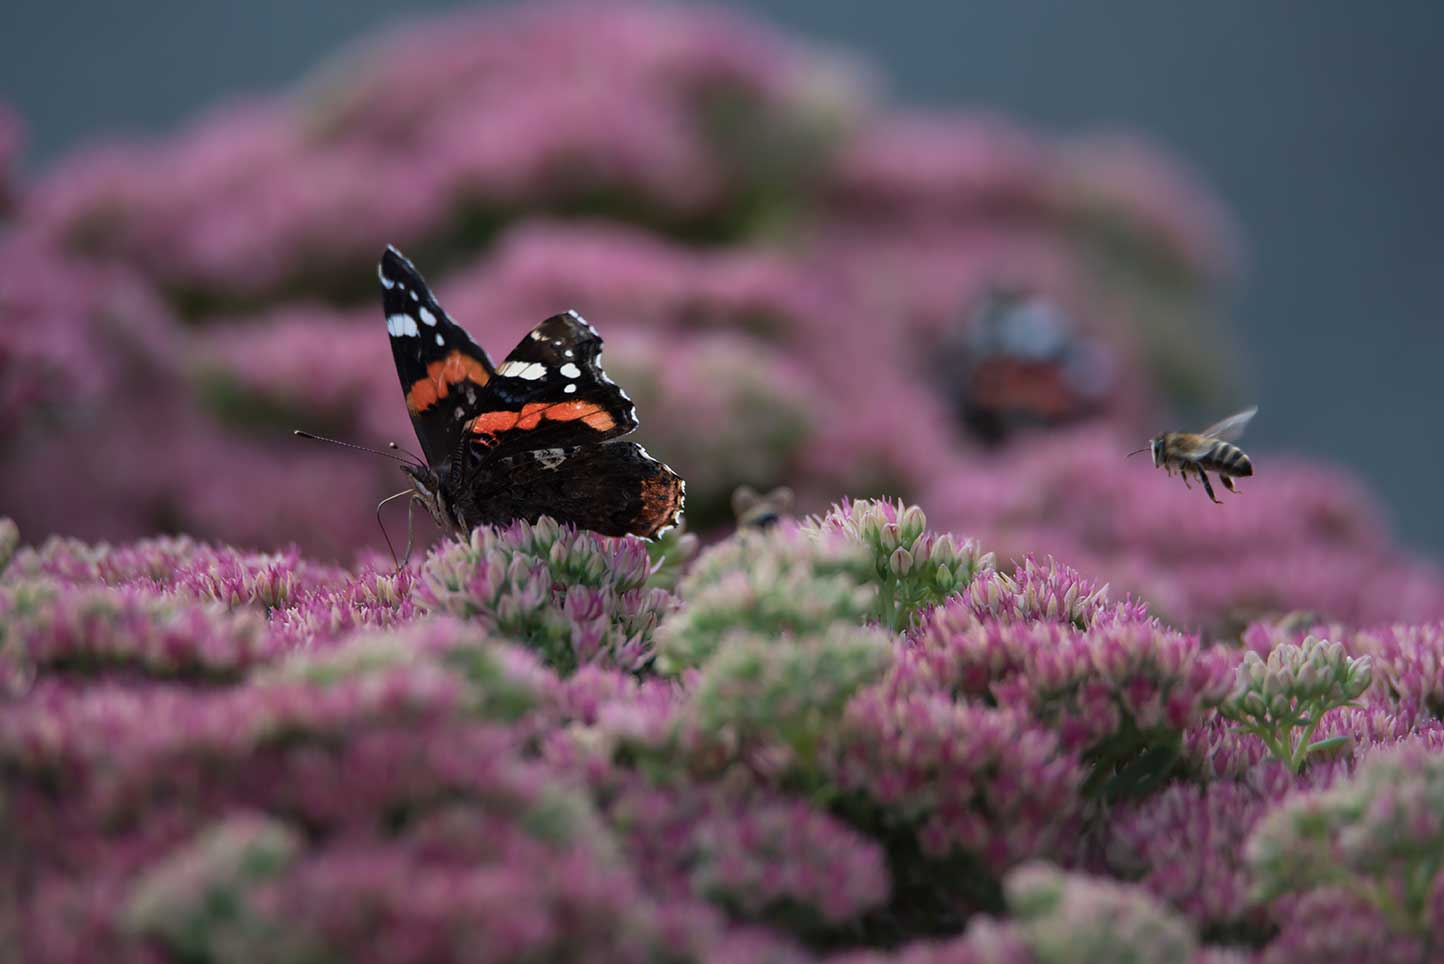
[
  {"x": 1183, "y": 474},
  {"x": 1228, "y": 483},
  {"x": 1203, "y": 477}
]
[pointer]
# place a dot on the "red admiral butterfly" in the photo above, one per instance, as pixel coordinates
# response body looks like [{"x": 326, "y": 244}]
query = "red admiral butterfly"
[
  {"x": 537, "y": 435},
  {"x": 1022, "y": 364}
]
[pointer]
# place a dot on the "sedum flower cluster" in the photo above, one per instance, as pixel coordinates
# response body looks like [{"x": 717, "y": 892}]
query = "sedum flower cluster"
[
  {"x": 1377, "y": 837},
  {"x": 1283, "y": 700},
  {"x": 549, "y": 744},
  {"x": 912, "y": 568},
  {"x": 573, "y": 597}
]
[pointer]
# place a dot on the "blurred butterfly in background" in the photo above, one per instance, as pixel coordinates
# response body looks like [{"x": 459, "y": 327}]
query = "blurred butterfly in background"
[{"x": 1021, "y": 363}]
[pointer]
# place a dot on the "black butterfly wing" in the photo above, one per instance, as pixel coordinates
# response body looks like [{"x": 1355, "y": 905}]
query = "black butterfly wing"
[
  {"x": 445, "y": 375},
  {"x": 614, "y": 488},
  {"x": 551, "y": 392}
]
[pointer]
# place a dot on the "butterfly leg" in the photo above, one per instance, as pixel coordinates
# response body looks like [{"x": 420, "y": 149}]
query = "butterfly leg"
[
  {"x": 410, "y": 511},
  {"x": 1203, "y": 477},
  {"x": 384, "y": 534}
]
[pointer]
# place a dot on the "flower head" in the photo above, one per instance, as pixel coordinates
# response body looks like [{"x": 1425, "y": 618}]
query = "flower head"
[
  {"x": 792, "y": 690},
  {"x": 766, "y": 584},
  {"x": 913, "y": 568},
  {"x": 1292, "y": 691},
  {"x": 1111, "y": 691},
  {"x": 575, "y": 597},
  {"x": 1072, "y": 917},
  {"x": 986, "y": 782},
  {"x": 1379, "y": 834}
]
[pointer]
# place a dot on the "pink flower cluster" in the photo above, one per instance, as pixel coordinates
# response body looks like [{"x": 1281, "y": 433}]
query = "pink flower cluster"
[
  {"x": 1121, "y": 683},
  {"x": 576, "y": 598},
  {"x": 983, "y": 781},
  {"x": 214, "y": 754},
  {"x": 81, "y": 628}
]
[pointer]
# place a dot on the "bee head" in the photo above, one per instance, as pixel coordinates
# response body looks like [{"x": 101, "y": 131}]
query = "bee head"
[{"x": 1157, "y": 445}]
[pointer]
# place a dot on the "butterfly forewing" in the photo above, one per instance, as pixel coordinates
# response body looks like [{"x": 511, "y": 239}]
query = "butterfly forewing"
[
  {"x": 445, "y": 375},
  {"x": 552, "y": 386}
]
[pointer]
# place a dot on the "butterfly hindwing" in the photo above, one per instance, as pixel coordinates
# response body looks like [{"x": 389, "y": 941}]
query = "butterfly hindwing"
[
  {"x": 614, "y": 488},
  {"x": 552, "y": 388},
  {"x": 445, "y": 375}
]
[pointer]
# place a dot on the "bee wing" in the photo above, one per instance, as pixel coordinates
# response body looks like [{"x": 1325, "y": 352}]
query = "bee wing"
[
  {"x": 1192, "y": 446},
  {"x": 1232, "y": 427}
]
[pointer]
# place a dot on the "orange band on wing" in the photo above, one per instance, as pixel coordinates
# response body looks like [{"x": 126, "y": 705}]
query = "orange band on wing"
[
  {"x": 493, "y": 423},
  {"x": 440, "y": 376},
  {"x": 591, "y": 414},
  {"x": 532, "y": 413}
]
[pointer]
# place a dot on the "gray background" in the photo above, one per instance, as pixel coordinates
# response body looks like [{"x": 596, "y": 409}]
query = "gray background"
[{"x": 1319, "y": 123}]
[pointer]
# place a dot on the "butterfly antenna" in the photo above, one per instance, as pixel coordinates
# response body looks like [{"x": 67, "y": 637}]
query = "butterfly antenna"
[
  {"x": 360, "y": 448},
  {"x": 386, "y": 535},
  {"x": 396, "y": 448},
  {"x": 1138, "y": 451}
]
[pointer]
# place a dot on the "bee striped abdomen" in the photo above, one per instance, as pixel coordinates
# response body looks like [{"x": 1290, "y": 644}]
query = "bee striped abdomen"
[{"x": 1227, "y": 459}]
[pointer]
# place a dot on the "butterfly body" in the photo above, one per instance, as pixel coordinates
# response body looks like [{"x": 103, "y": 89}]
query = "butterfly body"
[{"x": 539, "y": 434}]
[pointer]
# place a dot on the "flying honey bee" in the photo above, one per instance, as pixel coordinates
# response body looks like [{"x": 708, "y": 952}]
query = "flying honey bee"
[{"x": 1211, "y": 450}]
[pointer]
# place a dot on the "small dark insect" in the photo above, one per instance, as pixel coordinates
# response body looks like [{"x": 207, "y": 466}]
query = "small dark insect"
[
  {"x": 1199, "y": 453},
  {"x": 756, "y": 511}
]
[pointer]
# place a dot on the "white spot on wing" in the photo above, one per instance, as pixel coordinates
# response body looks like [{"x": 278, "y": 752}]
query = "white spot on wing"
[
  {"x": 386, "y": 282},
  {"x": 427, "y": 318},
  {"x": 570, "y": 388},
  {"x": 400, "y": 325},
  {"x": 550, "y": 458},
  {"x": 570, "y": 371},
  {"x": 413, "y": 296},
  {"x": 537, "y": 336},
  {"x": 531, "y": 371},
  {"x": 439, "y": 340},
  {"x": 567, "y": 353}
]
